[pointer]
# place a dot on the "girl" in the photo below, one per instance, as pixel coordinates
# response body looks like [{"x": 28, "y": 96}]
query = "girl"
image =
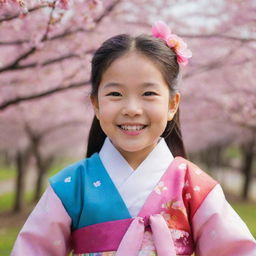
[{"x": 135, "y": 193}]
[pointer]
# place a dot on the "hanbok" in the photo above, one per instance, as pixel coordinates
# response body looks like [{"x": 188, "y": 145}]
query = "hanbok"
[{"x": 100, "y": 206}]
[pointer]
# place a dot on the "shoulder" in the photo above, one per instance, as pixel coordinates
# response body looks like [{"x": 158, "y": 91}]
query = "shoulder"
[
  {"x": 193, "y": 172},
  {"x": 67, "y": 174},
  {"x": 197, "y": 184},
  {"x": 69, "y": 183},
  {"x": 73, "y": 172}
]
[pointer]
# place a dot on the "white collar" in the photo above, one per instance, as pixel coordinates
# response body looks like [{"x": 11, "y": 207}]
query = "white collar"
[
  {"x": 115, "y": 164},
  {"x": 130, "y": 182},
  {"x": 119, "y": 169}
]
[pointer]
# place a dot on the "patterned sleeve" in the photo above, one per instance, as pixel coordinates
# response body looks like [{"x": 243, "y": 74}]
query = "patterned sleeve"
[
  {"x": 46, "y": 231},
  {"x": 217, "y": 228}
]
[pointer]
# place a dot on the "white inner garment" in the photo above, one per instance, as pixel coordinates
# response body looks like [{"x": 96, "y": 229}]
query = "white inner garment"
[{"x": 135, "y": 186}]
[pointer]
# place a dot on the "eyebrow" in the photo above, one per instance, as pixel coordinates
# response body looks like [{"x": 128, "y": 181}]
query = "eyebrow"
[{"x": 114, "y": 84}]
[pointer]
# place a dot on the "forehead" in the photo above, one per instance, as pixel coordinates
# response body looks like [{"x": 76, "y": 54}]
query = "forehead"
[{"x": 133, "y": 68}]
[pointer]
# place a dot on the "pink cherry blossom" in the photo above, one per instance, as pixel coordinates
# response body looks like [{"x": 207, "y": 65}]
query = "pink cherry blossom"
[{"x": 63, "y": 4}]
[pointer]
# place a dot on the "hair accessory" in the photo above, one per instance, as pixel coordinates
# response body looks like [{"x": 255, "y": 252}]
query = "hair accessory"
[{"x": 162, "y": 31}]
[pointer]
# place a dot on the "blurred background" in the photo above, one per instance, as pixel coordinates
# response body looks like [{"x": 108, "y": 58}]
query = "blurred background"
[{"x": 45, "y": 112}]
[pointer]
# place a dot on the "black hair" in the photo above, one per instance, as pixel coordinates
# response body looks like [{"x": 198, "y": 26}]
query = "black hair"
[{"x": 156, "y": 50}]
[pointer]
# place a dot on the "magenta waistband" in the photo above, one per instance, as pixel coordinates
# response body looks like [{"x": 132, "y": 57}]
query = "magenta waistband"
[
  {"x": 100, "y": 237},
  {"x": 108, "y": 236}
]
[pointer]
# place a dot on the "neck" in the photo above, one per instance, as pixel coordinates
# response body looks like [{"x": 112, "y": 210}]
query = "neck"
[{"x": 136, "y": 158}]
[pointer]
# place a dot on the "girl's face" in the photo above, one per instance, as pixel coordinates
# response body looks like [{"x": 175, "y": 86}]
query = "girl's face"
[{"x": 134, "y": 105}]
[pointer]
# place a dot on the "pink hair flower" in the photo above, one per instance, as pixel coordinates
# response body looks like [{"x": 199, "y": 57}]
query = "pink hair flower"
[{"x": 162, "y": 31}]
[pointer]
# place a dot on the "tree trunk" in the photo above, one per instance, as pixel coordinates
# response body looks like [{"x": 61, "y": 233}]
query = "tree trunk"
[
  {"x": 248, "y": 153},
  {"x": 212, "y": 157},
  {"x": 39, "y": 184},
  {"x": 42, "y": 167},
  {"x": 21, "y": 165},
  {"x": 39, "y": 166}
]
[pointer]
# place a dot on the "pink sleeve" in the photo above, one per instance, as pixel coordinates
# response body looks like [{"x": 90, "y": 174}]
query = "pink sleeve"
[
  {"x": 218, "y": 230},
  {"x": 46, "y": 231}
]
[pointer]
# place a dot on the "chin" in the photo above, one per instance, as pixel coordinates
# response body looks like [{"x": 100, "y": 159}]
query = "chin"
[
  {"x": 130, "y": 149},
  {"x": 134, "y": 149}
]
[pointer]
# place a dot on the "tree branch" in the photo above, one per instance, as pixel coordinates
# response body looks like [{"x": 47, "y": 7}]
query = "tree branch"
[
  {"x": 226, "y": 37},
  {"x": 15, "y": 64},
  {"x": 23, "y": 56},
  {"x": 8, "y": 18},
  {"x": 17, "y": 42},
  {"x": 17, "y": 100},
  {"x": 48, "y": 62}
]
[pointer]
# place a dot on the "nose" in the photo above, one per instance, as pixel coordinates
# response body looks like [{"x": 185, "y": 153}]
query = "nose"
[{"x": 132, "y": 107}]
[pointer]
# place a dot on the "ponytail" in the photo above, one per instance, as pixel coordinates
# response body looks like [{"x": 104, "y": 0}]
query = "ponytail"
[
  {"x": 173, "y": 136},
  {"x": 96, "y": 138}
]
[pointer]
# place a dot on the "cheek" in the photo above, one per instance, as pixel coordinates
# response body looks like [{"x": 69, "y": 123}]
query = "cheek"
[
  {"x": 107, "y": 110},
  {"x": 159, "y": 111}
]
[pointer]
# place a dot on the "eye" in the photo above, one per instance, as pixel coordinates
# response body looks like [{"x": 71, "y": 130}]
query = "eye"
[
  {"x": 115, "y": 94},
  {"x": 149, "y": 93}
]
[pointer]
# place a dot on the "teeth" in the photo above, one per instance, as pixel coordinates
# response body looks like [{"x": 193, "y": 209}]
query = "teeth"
[{"x": 132, "y": 128}]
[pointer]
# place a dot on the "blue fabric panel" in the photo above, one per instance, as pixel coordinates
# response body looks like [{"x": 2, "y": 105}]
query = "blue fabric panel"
[
  {"x": 102, "y": 201},
  {"x": 68, "y": 185},
  {"x": 88, "y": 193}
]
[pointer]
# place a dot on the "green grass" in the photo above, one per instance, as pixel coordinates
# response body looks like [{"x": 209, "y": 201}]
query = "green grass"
[
  {"x": 248, "y": 213},
  {"x": 9, "y": 234},
  {"x": 232, "y": 152},
  {"x": 7, "y": 201},
  {"x": 7, "y": 237},
  {"x": 6, "y": 172}
]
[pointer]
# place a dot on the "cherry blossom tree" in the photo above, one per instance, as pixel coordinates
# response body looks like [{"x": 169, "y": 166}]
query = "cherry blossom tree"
[
  {"x": 47, "y": 125},
  {"x": 44, "y": 70}
]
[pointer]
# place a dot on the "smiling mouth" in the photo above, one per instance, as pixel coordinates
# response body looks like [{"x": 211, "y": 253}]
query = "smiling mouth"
[{"x": 132, "y": 127}]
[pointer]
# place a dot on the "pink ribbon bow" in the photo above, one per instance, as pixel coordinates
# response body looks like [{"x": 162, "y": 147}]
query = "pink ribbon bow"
[
  {"x": 162, "y": 31},
  {"x": 132, "y": 240}
]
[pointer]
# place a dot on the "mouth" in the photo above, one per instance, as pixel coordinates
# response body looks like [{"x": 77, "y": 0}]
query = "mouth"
[{"x": 132, "y": 127}]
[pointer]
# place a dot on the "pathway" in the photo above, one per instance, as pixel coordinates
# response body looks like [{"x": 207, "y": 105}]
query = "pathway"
[{"x": 9, "y": 185}]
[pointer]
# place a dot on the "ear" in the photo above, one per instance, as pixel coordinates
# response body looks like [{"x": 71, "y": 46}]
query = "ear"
[
  {"x": 95, "y": 104},
  {"x": 173, "y": 105}
]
